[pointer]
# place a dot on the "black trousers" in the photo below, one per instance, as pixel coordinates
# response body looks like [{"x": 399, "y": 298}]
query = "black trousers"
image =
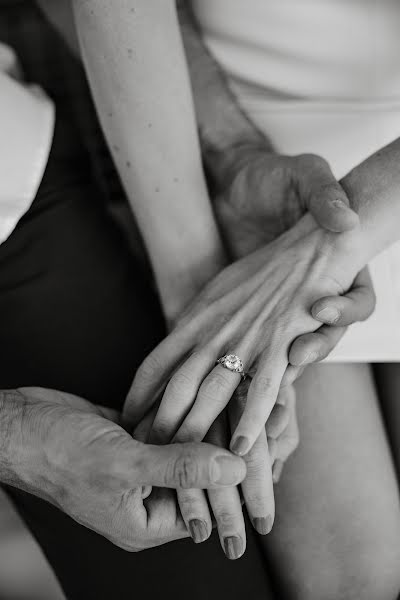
[{"x": 78, "y": 314}]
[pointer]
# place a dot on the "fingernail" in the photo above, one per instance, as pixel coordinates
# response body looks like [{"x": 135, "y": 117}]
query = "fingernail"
[
  {"x": 339, "y": 203},
  {"x": 328, "y": 315},
  {"x": 263, "y": 525},
  {"x": 198, "y": 530},
  {"x": 277, "y": 470},
  {"x": 240, "y": 445},
  {"x": 233, "y": 547},
  {"x": 227, "y": 470}
]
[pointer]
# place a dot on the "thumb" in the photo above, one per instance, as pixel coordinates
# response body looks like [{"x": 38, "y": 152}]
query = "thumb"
[
  {"x": 325, "y": 198},
  {"x": 188, "y": 466}
]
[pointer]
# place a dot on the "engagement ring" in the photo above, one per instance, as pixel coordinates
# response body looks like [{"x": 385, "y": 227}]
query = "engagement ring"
[{"x": 232, "y": 363}]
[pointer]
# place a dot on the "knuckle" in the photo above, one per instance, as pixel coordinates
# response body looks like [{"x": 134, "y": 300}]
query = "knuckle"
[
  {"x": 308, "y": 160},
  {"x": 255, "y": 464},
  {"x": 185, "y": 471},
  {"x": 263, "y": 384},
  {"x": 179, "y": 383},
  {"x": 149, "y": 369},
  {"x": 225, "y": 518},
  {"x": 215, "y": 384},
  {"x": 189, "y": 503}
]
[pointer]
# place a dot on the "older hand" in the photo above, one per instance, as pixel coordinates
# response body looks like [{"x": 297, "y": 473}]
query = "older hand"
[
  {"x": 261, "y": 195},
  {"x": 76, "y": 456}
]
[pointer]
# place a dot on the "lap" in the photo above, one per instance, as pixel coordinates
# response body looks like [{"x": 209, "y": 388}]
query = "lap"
[{"x": 337, "y": 503}]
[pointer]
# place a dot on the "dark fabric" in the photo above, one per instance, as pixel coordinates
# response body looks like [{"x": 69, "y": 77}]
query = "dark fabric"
[{"x": 78, "y": 313}]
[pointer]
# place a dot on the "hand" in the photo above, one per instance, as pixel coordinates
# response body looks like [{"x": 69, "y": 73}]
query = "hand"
[
  {"x": 198, "y": 508},
  {"x": 255, "y": 308},
  {"x": 262, "y": 195},
  {"x": 75, "y": 455}
]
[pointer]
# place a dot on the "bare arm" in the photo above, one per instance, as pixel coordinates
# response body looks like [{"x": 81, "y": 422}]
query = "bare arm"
[
  {"x": 374, "y": 190},
  {"x": 135, "y": 61}
]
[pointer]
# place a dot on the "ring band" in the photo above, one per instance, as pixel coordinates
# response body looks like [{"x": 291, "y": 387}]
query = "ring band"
[{"x": 233, "y": 363}]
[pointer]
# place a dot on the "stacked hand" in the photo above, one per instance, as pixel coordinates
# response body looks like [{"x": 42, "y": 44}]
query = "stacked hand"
[
  {"x": 75, "y": 455},
  {"x": 256, "y": 308}
]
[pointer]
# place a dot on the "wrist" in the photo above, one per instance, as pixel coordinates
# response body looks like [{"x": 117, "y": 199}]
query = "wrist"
[
  {"x": 17, "y": 446},
  {"x": 337, "y": 258},
  {"x": 25, "y": 462}
]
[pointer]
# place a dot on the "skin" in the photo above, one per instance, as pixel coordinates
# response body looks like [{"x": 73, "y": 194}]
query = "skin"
[
  {"x": 334, "y": 218},
  {"x": 260, "y": 299},
  {"x": 78, "y": 457},
  {"x": 96, "y": 25},
  {"x": 197, "y": 426},
  {"x": 337, "y": 526}
]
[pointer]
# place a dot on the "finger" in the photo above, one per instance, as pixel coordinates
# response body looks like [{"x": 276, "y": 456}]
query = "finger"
[
  {"x": 213, "y": 396},
  {"x": 291, "y": 374},
  {"x": 313, "y": 347},
  {"x": 262, "y": 395},
  {"x": 193, "y": 502},
  {"x": 179, "y": 397},
  {"x": 288, "y": 441},
  {"x": 257, "y": 487},
  {"x": 142, "y": 430},
  {"x": 226, "y": 506},
  {"x": 278, "y": 421},
  {"x": 152, "y": 376},
  {"x": 163, "y": 519},
  {"x": 273, "y": 449},
  {"x": 141, "y": 434},
  {"x": 184, "y": 466},
  {"x": 357, "y": 305},
  {"x": 195, "y": 513},
  {"x": 325, "y": 197}
]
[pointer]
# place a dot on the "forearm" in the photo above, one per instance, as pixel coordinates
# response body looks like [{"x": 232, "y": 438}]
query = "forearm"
[
  {"x": 225, "y": 130},
  {"x": 374, "y": 191},
  {"x": 136, "y": 66}
]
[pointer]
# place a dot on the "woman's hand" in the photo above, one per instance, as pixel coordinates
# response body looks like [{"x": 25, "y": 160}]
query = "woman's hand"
[
  {"x": 261, "y": 194},
  {"x": 255, "y": 308}
]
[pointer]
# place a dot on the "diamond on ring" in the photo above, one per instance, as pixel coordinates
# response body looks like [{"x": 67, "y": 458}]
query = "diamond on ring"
[{"x": 232, "y": 363}]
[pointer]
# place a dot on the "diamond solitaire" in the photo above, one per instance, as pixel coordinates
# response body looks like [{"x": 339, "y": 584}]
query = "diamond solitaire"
[{"x": 232, "y": 363}]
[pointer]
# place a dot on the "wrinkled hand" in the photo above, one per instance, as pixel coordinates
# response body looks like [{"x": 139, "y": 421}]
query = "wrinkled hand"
[
  {"x": 254, "y": 308},
  {"x": 263, "y": 195},
  {"x": 77, "y": 456}
]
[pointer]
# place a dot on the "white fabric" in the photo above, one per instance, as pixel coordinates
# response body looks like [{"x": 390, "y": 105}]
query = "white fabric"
[
  {"x": 321, "y": 76},
  {"x": 26, "y": 131}
]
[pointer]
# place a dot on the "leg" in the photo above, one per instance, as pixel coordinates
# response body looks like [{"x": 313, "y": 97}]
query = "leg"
[
  {"x": 387, "y": 379},
  {"x": 337, "y": 532}
]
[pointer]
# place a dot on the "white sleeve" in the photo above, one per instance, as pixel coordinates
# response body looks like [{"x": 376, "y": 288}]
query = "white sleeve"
[{"x": 26, "y": 131}]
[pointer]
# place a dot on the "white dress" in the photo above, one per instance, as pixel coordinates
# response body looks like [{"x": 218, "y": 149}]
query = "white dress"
[{"x": 321, "y": 76}]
